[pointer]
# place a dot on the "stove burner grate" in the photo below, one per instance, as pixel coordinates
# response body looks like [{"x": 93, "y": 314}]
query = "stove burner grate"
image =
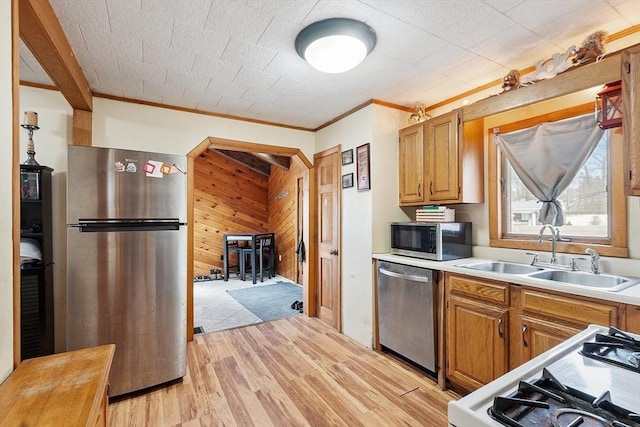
[
  {"x": 574, "y": 417},
  {"x": 549, "y": 403},
  {"x": 616, "y": 348}
]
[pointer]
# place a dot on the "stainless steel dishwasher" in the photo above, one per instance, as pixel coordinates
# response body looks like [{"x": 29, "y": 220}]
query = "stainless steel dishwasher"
[{"x": 406, "y": 314}]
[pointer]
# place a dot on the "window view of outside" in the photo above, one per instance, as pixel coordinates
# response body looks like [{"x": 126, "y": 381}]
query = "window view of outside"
[{"x": 585, "y": 202}]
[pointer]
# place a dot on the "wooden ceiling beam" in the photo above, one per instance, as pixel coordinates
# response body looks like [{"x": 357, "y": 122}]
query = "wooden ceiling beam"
[
  {"x": 278, "y": 161},
  {"x": 82, "y": 128},
  {"x": 42, "y": 33},
  {"x": 247, "y": 159},
  {"x": 573, "y": 80}
]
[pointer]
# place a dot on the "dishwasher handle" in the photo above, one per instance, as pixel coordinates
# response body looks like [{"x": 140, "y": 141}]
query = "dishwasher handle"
[{"x": 403, "y": 276}]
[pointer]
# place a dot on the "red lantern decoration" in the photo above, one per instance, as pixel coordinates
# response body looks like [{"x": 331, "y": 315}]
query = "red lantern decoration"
[{"x": 609, "y": 106}]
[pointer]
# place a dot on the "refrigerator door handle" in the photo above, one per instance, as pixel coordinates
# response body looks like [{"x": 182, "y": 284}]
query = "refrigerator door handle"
[{"x": 111, "y": 225}]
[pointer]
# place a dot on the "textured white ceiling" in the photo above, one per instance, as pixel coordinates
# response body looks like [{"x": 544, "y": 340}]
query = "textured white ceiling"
[{"x": 237, "y": 57}]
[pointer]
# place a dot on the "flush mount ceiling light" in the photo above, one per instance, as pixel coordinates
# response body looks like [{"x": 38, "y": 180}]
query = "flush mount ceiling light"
[{"x": 335, "y": 45}]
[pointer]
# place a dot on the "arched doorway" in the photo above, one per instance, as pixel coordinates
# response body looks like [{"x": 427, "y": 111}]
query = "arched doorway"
[{"x": 212, "y": 143}]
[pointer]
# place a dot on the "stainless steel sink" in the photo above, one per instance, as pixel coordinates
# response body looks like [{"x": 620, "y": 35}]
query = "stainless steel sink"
[
  {"x": 502, "y": 267},
  {"x": 606, "y": 282},
  {"x": 600, "y": 281}
]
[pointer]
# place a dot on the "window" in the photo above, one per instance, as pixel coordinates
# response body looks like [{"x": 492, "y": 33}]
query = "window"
[
  {"x": 588, "y": 202},
  {"x": 585, "y": 201}
]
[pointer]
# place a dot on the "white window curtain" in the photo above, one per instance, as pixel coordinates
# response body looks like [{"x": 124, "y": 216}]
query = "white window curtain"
[{"x": 547, "y": 157}]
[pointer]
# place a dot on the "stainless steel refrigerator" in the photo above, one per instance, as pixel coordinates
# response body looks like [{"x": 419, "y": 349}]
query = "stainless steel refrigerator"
[{"x": 127, "y": 262}]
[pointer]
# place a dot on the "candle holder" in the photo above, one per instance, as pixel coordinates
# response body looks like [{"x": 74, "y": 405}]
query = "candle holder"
[{"x": 31, "y": 124}]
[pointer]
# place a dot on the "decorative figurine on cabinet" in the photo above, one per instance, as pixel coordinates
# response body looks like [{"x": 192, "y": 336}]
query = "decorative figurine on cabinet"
[
  {"x": 592, "y": 48},
  {"x": 511, "y": 81}
]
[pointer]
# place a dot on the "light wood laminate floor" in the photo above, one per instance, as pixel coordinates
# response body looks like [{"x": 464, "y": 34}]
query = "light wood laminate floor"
[{"x": 291, "y": 372}]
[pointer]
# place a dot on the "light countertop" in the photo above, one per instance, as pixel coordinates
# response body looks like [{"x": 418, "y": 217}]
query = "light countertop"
[{"x": 631, "y": 295}]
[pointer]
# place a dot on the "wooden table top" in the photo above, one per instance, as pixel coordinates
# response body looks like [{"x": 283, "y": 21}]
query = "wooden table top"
[
  {"x": 246, "y": 235},
  {"x": 60, "y": 389}
]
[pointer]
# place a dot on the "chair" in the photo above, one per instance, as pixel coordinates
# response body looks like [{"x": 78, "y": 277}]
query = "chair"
[
  {"x": 267, "y": 248},
  {"x": 234, "y": 247},
  {"x": 264, "y": 247}
]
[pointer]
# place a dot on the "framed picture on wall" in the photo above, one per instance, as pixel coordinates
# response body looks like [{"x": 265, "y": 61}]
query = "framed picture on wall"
[
  {"x": 363, "y": 170},
  {"x": 347, "y": 180},
  {"x": 347, "y": 157}
]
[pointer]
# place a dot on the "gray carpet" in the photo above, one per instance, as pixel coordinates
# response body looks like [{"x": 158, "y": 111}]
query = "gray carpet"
[{"x": 269, "y": 302}]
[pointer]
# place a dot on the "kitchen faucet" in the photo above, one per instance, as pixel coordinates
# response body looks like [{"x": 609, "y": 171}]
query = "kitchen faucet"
[
  {"x": 594, "y": 260},
  {"x": 554, "y": 237}
]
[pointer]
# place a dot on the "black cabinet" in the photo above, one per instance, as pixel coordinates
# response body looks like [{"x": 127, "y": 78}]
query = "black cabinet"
[{"x": 36, "y": 262}]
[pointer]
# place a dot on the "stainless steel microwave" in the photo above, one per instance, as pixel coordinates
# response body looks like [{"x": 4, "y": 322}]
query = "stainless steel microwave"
[{"x": 439, "y": 241}]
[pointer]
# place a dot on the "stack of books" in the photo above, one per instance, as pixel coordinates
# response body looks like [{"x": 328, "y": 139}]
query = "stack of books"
[{"x": 435, "y": 214}]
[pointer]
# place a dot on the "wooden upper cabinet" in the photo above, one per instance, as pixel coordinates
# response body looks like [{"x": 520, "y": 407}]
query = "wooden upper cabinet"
[
  {"x": 411, "y": 167},
  {"x": 442, "y": 158},
  {"x": 440, "y": 164},
  {"x": 631, "y": 119}
]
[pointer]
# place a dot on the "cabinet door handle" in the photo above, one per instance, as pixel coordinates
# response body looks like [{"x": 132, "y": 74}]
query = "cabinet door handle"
[
  {"x": 500, "y": 331},
  {"x": 524, "y": 336},
  {"x": 431, "y": 188},
  {"x": 419, "y": 185}
]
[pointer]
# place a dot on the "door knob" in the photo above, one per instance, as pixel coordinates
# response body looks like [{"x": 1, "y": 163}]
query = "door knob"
[{"x": 333, "y": 252}]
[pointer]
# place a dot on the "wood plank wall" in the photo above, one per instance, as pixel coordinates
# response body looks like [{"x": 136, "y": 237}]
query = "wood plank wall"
[
  {"x": 283, "y": 216},
  {"x": 228, "y": 197}
]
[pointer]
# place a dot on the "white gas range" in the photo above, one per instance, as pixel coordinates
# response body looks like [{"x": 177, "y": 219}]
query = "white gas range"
[{"x": 580, "y": 382}]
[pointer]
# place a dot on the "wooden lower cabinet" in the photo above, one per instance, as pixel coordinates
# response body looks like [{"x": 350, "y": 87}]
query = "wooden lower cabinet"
[
  {"x": 632, "y": 319},
  {"x": 477, "y": 342},
  {"x": 477, "y": 318},
  {"x": 545, "y": 319},
  {"x": 535, "y": 336},
  {"x": 568, "y": 309},
  {"x": 493, "y": 327}
]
